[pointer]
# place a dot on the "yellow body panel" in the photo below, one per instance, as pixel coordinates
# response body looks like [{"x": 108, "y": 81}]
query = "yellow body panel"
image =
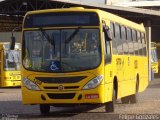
[{"x": 125, "y": 68}]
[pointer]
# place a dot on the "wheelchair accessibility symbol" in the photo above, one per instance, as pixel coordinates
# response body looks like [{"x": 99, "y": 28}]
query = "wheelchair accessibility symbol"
[{"x": 53, "y": 66}]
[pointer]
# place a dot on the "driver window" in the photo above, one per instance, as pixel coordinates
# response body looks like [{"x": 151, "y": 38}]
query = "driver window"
[{"x": 107, "y": 47}]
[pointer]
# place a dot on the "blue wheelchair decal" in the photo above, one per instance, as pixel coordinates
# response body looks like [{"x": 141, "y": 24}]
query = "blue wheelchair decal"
[{"x": 55, "y": 65}]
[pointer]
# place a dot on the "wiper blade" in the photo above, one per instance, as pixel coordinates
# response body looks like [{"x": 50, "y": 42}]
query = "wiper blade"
[
  {"x": 47, "y": 36},
  {"x": 72, "y": 35}
]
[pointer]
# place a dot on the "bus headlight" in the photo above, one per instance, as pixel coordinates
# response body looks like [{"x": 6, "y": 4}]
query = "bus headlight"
[
  {"x": 29, "y": 84},
  {"x": 93, "y": 83}
]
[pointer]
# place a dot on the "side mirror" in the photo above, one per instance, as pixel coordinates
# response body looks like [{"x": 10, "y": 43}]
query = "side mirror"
[
  {"x": 13, "y": 41},
  {"x": 107, "y": 33}
]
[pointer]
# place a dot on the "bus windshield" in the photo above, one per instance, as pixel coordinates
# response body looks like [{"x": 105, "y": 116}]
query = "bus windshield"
[
  {"x": 11, "y": 60},
  {"x": 61, "y": 50}
]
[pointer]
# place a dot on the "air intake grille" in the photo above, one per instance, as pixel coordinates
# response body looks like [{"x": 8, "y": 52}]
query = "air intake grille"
[
  {"x": 61, "y": 79},
  {"x": 61, "y": 95},
  {"x": 66, "y": 87}
]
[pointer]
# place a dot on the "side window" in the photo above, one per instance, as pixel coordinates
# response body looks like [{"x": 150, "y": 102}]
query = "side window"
[
  {"x": 143, "y": 44},
  {"x": 134, "y": 37},
  {"x": 114, "y": 44},
  {"x": 107, "y": 52},
  {"x": 108, "y": 48},
  {"x": 124, "y": 39},
  {"x": 118, "y": 39},
  {"x": 130, "y": 42},
  {"x": 107, "y": 45},
  {"x": 140, "y": 46}
]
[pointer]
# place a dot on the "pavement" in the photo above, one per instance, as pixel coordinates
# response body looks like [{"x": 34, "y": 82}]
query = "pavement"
[{"x": 148, "y": 107}]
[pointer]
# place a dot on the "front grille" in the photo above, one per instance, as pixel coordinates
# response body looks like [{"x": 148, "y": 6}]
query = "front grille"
[
  {"x": 61, "y": 95},
  {"x": 67, "y": 87},
  {"x": 71, "y": 87},
  {"x": 61, "y": 79},
  {"x": 50, "y": 87}
]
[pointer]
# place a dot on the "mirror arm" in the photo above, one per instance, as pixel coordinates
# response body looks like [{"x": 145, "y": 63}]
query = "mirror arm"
[{"x": 107, "y": 31}]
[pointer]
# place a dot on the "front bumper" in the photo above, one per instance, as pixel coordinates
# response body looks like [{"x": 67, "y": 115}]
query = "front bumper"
[{"x": 63, "y": 97}]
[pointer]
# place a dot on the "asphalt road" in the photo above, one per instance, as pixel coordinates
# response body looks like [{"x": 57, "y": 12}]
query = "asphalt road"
[{"x": 148, "y": 107}]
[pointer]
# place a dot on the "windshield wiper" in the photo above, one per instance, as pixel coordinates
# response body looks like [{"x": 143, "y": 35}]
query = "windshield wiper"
[
  {"x": 72, "y": 35},
  {"x": 51, "y": 41},
  {"x": 47, "y": 36}
]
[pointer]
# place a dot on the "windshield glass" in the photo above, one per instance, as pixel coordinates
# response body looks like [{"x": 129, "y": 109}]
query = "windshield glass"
[
  {"x": 61, "y": 50},
  {"x": 11, "y": 60},
  {"x": 154, "y": 55}
]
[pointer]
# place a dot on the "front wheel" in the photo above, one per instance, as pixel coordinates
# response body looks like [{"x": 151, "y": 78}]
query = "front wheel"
[{"x": 44, "y": 108}]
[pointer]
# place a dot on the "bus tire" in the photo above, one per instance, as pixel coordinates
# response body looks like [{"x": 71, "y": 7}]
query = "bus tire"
[
  {"x": 133, "y": 99},
  {"x": 44, "y": 108},
  {"x": 125, "y": 100},
  {"x": 109, "y": 106}
]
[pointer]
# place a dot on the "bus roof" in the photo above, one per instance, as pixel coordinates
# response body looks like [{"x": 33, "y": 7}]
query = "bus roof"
[{"x": 101, "y": 13}]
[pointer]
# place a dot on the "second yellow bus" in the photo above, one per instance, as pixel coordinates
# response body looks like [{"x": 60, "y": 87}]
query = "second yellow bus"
[{"x": 10, "y": 74}]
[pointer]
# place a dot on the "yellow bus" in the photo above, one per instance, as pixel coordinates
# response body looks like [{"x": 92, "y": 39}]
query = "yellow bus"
[
  {"x": 154, "y": 59},
  {"x": 10, "y": 74},
  {"x": 78, "y": 56}
]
